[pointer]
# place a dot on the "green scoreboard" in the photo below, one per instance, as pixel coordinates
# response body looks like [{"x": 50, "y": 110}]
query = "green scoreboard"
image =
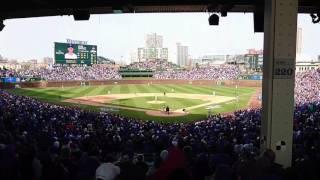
[{"x": 67, "y": 53}]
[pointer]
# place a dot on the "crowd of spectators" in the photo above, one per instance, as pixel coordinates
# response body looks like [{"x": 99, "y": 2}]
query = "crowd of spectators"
[
  {"x": 307, "y": 86},
  {"x": 62, "y": 73},
  {"x": 162, "y": 70},
  {"x": 45, "y": 141},
  {"x": 221, "y": 72},
  {"x": 152, "y": 65},
  {"x": 4, "y": 72}
]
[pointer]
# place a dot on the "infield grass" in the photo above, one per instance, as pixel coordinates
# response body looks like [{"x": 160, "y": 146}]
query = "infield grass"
[{"x": 143, "y": 102}]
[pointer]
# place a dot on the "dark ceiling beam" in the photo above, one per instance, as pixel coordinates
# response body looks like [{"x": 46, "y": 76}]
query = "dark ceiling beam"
[{"x": 36, "y": 8}]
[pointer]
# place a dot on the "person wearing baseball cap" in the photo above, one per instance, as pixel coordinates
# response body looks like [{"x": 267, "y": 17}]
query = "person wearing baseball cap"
[{"x": 70, "y": 54}]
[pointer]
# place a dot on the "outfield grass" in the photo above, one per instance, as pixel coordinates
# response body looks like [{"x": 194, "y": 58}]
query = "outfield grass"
[{"x": 57, "y": 95}]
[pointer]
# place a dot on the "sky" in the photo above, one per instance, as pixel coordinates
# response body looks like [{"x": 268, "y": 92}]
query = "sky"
[{"x": 118, "y": 35}]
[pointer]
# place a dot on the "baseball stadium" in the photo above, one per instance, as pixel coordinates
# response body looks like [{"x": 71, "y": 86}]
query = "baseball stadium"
[
  {"x": 111, "y": 90},
  {"x": 151, "y": 89},
  {"x": 155, "y": 103}
]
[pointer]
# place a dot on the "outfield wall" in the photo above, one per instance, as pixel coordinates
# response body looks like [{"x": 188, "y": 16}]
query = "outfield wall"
[{"x": 44, "y": 84}]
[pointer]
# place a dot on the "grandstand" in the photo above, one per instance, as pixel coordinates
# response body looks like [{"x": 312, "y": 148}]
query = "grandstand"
[
  {"x": 124, "y": 72},
  {"x": 155, "y": 65},
  {"x": 103, "y": 60}
]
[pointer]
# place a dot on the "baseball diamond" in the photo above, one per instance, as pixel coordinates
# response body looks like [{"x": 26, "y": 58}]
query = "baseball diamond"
[{"x": 187, "y": 102}]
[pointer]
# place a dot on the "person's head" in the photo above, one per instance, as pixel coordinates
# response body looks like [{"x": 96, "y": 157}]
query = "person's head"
[
  {"x": 70, "y": 49},
  {"x": 164, "y": 155},
  {"x": 107, "y": 171}
]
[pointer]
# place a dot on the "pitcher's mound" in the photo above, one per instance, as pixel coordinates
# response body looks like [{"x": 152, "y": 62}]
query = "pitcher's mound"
[
  {"x": 155, "y": 102},
  {"x": 164, "y": 114}
]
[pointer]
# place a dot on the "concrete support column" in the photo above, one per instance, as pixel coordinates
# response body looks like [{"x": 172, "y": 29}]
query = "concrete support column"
[{"x": 280, "y": 29}]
